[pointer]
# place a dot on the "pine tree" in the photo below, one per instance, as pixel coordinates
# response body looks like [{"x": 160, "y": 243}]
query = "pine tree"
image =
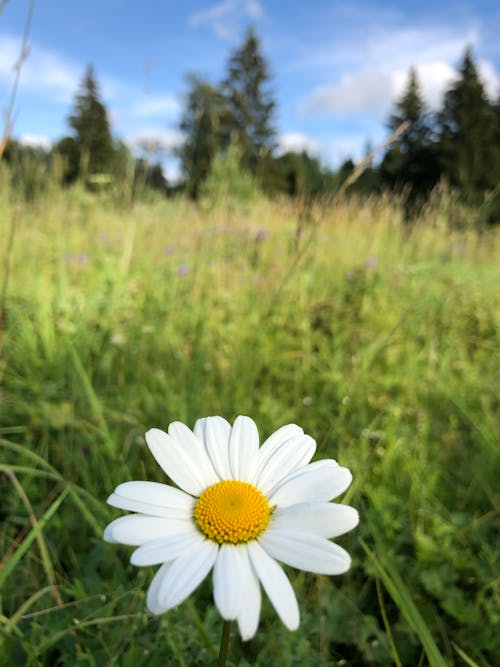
[
  {"x": 89, "y": 121},
  {"x": 411, "y": 163},
  {"x": 467, "y": 134},
  {"x": 201, "y": 125},
  {"x": 249, "y": 103}
]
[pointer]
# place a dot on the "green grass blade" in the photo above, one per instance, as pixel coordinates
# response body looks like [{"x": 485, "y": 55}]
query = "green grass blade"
[
  {"x": 402, "y": 598},
  {"x": 31, "y": 536}
]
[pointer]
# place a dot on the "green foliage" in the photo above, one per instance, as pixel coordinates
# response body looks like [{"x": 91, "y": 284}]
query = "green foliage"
[
  {"x": 379, "y": 343},
  {"x": 90, "y": 150},
  {"x": 229, "y": 184},
  {"x": 468, "y": 133},
  {"x": 239, "y": 112},
  {"x": 249, "y": 103},
  {"x": 201, "y": 124},
  {"x": 29, "y": 169},
  {"x": 296, "y": 174},
  {"x": 411, "y": 163}
]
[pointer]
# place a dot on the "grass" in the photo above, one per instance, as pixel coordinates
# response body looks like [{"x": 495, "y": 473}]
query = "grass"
[{"x": 379, "y": 342}]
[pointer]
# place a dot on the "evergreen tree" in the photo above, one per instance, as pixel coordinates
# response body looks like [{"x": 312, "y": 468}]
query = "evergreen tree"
[
  {"x": 89, "y": 121},
  {"x": 469, "y": 146},
  {"x": 298, "y": 175},
  {"x": 68, "y": 149},
  {"x": 201, "y": 125},
  {"x": 249, "y": 103},
  {"x": 411, "y": 163}
]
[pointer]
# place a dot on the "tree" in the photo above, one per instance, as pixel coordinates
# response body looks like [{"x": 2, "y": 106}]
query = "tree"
[
  {"x": 150, "y": 176},
  {"x": 411, "y": 162},
  {"x": 249, "y": 103},
  {"x": 470, "y": 149},
  {"x": 297, "y": 175},
  {"x": 92, "y": 134},
  {"x": 201, "y": 125}
]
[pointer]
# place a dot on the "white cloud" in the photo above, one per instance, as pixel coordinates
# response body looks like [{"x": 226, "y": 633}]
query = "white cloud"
[
  {"x": 374, "y": 88},
  {"x": 47, "y": 72},
  {"x": 298, "y": 142},
  {"x": 41, "y": 70},
  {"x": 213, "y": 13},
  {"x": 489, "y": 77},
  {"x": 224, "y": 17},
  {"x": 253, "y": 9},
  {"x": 36, "y": 140},
  {"x": 156, "y": 141},
  {"x": 368, "y": 89}
]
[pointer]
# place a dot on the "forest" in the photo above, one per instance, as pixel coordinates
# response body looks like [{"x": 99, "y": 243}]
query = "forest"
[{"x": 457, "y": 145}]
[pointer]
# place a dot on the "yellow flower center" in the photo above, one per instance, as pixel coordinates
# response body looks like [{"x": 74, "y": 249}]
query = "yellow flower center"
[{"x": 232, "y": 511}]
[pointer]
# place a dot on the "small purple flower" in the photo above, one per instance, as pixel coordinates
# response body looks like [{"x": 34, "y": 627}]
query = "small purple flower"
[
  {"x": 82, "y": 258},
  {"x": 261, "y": 235},
  {"x": 183, "y": 270},
  {"x": 371, "y": 263}
]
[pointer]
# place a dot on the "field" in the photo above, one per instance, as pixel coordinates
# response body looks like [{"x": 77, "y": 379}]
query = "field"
[{"x": 379, "y": 340}]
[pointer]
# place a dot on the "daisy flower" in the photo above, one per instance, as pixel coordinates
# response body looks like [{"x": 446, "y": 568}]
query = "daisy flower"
[{"x": 238, "y": 509}]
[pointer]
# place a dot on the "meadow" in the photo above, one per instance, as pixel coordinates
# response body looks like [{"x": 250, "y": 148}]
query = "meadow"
[{"x": 379, "y": 339}]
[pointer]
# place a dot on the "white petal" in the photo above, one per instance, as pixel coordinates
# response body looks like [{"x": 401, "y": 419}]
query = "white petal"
[
  {"x": 214, "y": 432},
  {"x": 183, "y": 458},
  {"x": 185, "y": 574},
  {"x": 273, "y": 442},
  {"x": 154, "y": 493},
  {"x": 227, "y": 581},
  {"x": 243, "y": 449},
  {"x": 152, "y": 498},
  {"x": 152, "y": 602},
  {"x": 248, "y": 618},
  {"x": 167, "y": 548},
  {"x": 278, "y": 438},
  {"x": 306, "y": 551},
  {"x": 276, "y": 584},
  {"x": 321, "y": 480},
  {"x": 136, "y": 529},
  {"x": 288, "y": 457},
  {"x": 324, "y": 519}
]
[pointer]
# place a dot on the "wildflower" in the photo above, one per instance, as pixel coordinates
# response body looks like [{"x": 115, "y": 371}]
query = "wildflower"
[
  {"x": 239, "y": 509},
  {"x": 118, "y": 339},
  {"x": 183, "y": 270},
  {"x": 371, "y": 263}
]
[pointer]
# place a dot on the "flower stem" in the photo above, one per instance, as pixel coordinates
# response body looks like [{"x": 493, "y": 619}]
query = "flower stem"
[{"x": 224, "y": 643}]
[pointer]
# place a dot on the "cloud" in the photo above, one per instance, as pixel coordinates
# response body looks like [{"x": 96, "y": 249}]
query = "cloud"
[
  {"x": 368, "y": 89},
  {"x": 41, "y": 71},
  {"x": 47, "y": 72},
  {"x": 298, "y": 142},
  {"x": 374, "y": 87},
  {"x": 157, "y": 141},
  {"x": 374, "y": 90},
  {"x": 36, "y": 140},
  {"x": 224, "y": 18},
  {"x": 212, "y": 14},
  {"x": 489, "y": 77}
]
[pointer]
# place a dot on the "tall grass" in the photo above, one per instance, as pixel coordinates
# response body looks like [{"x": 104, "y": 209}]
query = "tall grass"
[{"x": 380, "y": 341}]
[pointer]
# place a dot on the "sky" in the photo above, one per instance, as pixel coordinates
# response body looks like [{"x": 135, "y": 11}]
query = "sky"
[{"x": 336, "y": 68}]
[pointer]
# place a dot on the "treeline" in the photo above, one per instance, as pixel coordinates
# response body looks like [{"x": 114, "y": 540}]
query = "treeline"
[{"x": 458, "y": 144}]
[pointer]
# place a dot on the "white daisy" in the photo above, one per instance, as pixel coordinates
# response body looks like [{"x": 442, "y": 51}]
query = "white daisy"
[{"x": 239, "y": 509}]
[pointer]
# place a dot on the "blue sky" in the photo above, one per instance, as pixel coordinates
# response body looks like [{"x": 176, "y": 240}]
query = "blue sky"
[{"x": 337, "y": 67}]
